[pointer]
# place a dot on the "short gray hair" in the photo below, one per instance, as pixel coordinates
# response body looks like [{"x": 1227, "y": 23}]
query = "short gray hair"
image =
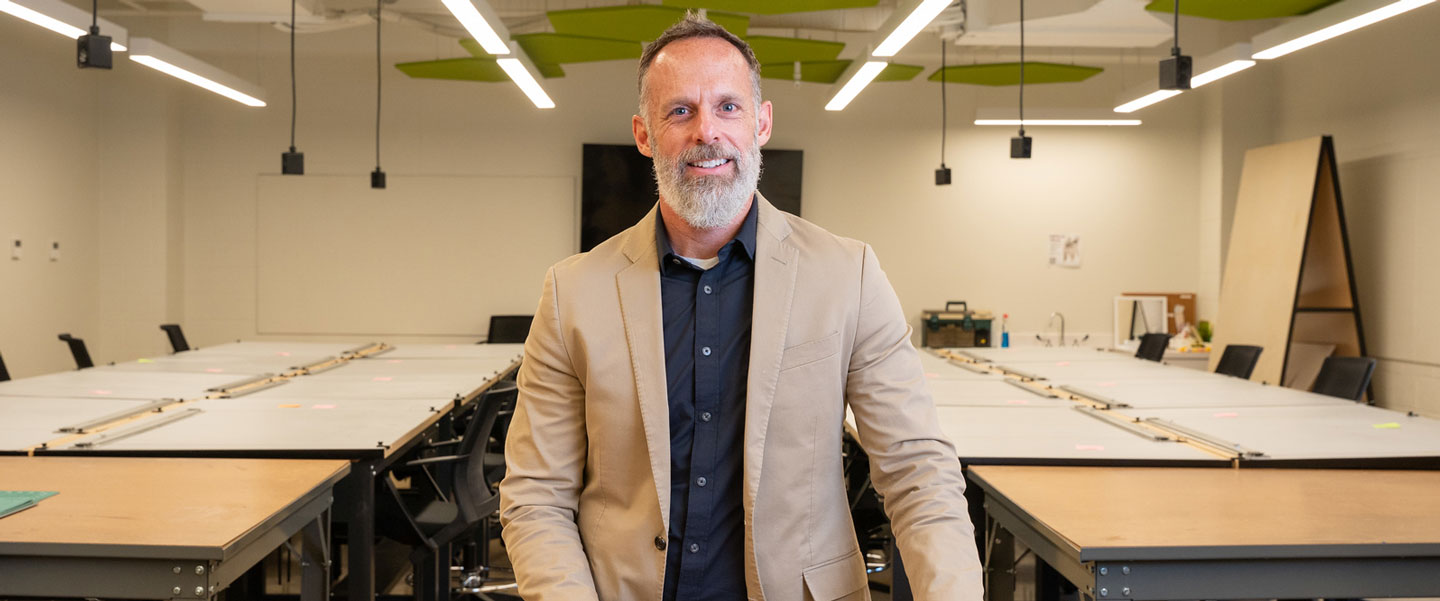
[{"x": 694, "y": 25}]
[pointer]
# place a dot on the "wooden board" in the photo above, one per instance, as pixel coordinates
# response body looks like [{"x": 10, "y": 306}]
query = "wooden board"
[
  {"x": 1267, "y": 244},
  {"x": 1200, "y": 507},
  {"x": 153, "y": 501}
]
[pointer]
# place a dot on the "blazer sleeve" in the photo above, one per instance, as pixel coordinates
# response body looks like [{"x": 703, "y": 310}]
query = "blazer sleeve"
[
  {"x": 913, "y": 466},
  {"x": 545, "y": 453}
]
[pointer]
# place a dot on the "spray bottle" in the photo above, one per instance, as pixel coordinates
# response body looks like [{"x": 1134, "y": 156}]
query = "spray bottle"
[{"x": 1004, "y": 330}]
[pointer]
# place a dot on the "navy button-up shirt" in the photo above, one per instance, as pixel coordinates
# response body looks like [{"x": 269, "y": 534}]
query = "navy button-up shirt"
[{"x": 707, "y": 357}]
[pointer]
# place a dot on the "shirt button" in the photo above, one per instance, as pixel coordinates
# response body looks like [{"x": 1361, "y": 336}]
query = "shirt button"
[
  {"x": 705, "y": 416},
  {"x": 694, "y": 548},
  {"x": 707, "y": 289},
  {"x": 705, "y": 351},
  {"x": 700, "y": 481},
  {"x": 660, "y": 543}
]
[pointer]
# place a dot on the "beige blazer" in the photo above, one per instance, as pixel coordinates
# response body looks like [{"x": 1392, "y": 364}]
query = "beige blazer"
[{"x": 586, "y": 502}]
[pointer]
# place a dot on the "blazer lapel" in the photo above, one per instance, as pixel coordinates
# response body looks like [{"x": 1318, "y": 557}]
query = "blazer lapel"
[
  {"x": 775, "y": 268},
  {"x": 639, "y": 286}
]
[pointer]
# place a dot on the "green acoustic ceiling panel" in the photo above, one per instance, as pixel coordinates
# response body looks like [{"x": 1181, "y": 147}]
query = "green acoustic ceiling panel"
[
  {"x": 1240, "y": 10},
  {"x": 548, "y": 70},
  {"x": 466, "y": 69},
  {"x": 813, "y": 71},
  {"x": 898, "y": 72},
  {"x": 637, "y": 23},
  {"x": 830, "y": 71},
  {"x": 1008, "y": 74},
  {"x": 771, "y": 7},
  {"x": 556, "y": 48},
  {"x": 770, "y": 49}
]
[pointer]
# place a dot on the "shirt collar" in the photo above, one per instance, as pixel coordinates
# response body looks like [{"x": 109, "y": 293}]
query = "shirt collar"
[{"x": 745, "y": 237}]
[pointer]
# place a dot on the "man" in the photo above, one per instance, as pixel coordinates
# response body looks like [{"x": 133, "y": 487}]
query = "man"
[{"x": 683, "y": 393}]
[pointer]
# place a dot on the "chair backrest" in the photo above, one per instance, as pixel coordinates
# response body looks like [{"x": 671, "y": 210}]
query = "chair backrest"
[
  {"x": 506, "y": 329},
  {"x": 1152, "y": 346},
  {"x": 474, "y": 492},
  {"x": 177, "y": 337},
  {"x": 4, "y": 373},
  {"x": 78, "y": 351},
  {"x": 1239, "y": 360},
  {"x": 1344, "y": 377}
]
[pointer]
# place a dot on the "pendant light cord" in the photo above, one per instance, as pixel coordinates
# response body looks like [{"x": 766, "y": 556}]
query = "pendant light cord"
[
  {"x": 1022, "y": 68},
  {"x": 294, "y": 96},
  {"x": 943, "y": 105},
  {"x": 94, "y": 16},
  {"x": 1175, "y": 45},
  {"x": 378, "y": 21}
]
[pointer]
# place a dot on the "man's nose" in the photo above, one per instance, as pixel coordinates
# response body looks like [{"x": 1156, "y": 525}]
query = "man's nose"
[{"x": 706, "y": 128}]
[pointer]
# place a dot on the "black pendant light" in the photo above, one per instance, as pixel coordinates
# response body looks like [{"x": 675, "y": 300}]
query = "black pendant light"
[
  {"x": 292, "y": 163},
  {"x": 1175, "y": 71},
  {"x": 1020, "y": 145},
  {"x": 377, "y": 177},
  {"x": 942, "y": 175},
  {"x": 93, "y": 50}
]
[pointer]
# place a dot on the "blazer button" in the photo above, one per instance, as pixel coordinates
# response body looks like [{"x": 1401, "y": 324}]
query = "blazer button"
[{"x": 660, "y": 543}]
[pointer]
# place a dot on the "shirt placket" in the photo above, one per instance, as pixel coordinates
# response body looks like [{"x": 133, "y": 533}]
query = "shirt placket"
[{"x": 707, "y": 400}]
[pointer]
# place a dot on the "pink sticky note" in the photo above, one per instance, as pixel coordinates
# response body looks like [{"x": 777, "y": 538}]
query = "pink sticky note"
[
  {"x": 1018, "y": 402},
  {"x": 322, "y": 406},
  {"x": 1227, "y": 414},
  {"x": 1063, "y": 364},
  {"x": 99, "y": 392},
  {"x": 382, "y": 378},
  {"x": 283, "y": 353},
  {"x": 1105, "y": 384},
  {"x": 1089, "y": 447},
  {"x": 214, "y": 370},
  {"x": 931, "y": 375},
  {"x": 394, "y": 360},
  {"x": 450, "y": 347}
]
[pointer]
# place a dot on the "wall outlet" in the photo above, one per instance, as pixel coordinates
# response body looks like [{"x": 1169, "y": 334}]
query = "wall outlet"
[
  {"x": 15, "y": 248},
  {"x": 55, "y": 251}
]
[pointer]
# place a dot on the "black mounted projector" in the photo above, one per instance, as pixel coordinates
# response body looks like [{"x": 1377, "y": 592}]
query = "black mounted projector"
[
  {"x": 1175, "y": 73},
  {"x": 942, "y": 175},
  {"x": 292, "y": 163},
  {"x": 93, "y": 50},
  {"x": 1020, "y": 147}
]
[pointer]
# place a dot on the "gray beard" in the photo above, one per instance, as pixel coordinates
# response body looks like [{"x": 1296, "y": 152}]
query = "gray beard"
[{"x": 710, "y": 201}]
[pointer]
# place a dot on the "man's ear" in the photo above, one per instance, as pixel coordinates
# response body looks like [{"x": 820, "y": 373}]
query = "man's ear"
[
  {"x": 642, "y": 135},
  {"x": 766, "y": 120}
]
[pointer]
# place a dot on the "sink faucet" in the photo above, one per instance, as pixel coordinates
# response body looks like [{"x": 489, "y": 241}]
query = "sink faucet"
[{"x": 1062, "y": 325}]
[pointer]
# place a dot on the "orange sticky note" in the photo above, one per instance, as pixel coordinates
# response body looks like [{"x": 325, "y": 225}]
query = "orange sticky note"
[
  {"x": 292, "y": 406},
  {"x": 214, "y": 370},
  {"x": 382, "y": 378}
]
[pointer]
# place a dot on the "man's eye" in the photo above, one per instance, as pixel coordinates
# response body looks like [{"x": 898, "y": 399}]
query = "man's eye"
[
  {"x": 729, "y": 107},
  {"x": 680, "y": 110}
]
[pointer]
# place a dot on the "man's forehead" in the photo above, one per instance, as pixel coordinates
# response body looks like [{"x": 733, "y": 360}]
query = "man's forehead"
[{"x": 699, "y": 52}]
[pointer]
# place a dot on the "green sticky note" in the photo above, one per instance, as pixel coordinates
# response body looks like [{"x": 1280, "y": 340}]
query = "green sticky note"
[
  {"x": 1387, "y": 426},
  {"x": 145, "y": 360},
  {"x": 12, "y": 501}
]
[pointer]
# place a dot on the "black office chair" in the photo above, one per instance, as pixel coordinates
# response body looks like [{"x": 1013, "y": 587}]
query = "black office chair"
[
  {"x": 1152, "y": 346},
  {"x": 78, "y": 351},
  {"x": 4, "y": 373},
  {"x": 177, "y": 337},
  {"x": 505, "y": 329},
  {"x": 1239, "y": 360},
  {"x": 1344, "y": 377},
  {"x": 431, "y": 521}
]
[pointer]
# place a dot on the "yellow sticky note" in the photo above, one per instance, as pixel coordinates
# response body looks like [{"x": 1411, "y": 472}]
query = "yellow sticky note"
[
  {"x": 1387, "y": 426},
  {"x": 145, "y": 361}
]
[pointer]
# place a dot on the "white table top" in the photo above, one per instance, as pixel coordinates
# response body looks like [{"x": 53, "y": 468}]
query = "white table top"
[
  {"x": 103, "y": 383},
  {"x": 1348, "y": 431},
  {"x": 1026, "y": 354},
  {"x": 26, "y": 422},
  {"x": 988, "y": 393},
  {"x": 1207, "y": 392},
  {"x": 454, "y": 351},
  {"x": 1057, "y": 434}
]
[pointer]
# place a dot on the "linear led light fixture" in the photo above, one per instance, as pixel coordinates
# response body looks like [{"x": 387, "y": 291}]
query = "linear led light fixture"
[
  {"x": 1334, "y": 20},
  {"x": 1056, "y": 117},
  {"x": 483, "y": 23},
  {"x": 522, "y": 72},
  {"x": 919, "y": 15},
  {"x": 64, "y": 19},
  {"x": 1146, "y": 100},
  {"x": 859, "y": 78},
  {"x": 182, "y": 66}
]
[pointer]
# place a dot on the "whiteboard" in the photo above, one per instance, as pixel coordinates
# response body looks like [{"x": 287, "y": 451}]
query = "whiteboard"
[{"x": 430, "y": 255}]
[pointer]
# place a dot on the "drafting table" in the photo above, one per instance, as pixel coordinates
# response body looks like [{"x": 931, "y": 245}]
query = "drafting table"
[
  {"x": 299, "y": 350},
  {"x": 1056, "y": 436},
  {"x": 102, "y": 383},
  {"x": 1164, "y": 533},
  {"x": 161, "y": 528},
  {"x": 1348, "y": 434},
  {"x": 940, "y": 367},
  {"x": 1198, "y": 393},
  {"x": 27, "y": 422},
  {"x": 1125, "y": 369},
  {"x": 1030, "y": 354},
  {"x": 455, "y": 351},
  {"x": 996, "y": 392}
]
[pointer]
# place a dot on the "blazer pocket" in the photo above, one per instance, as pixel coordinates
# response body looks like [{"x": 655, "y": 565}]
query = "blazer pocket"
[
  {"x": 841, "y": 579},
  {"x": 810, "y": 352}
]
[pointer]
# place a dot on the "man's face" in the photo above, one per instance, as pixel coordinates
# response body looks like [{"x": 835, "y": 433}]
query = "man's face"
[{"x": 704, "y": 129}]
